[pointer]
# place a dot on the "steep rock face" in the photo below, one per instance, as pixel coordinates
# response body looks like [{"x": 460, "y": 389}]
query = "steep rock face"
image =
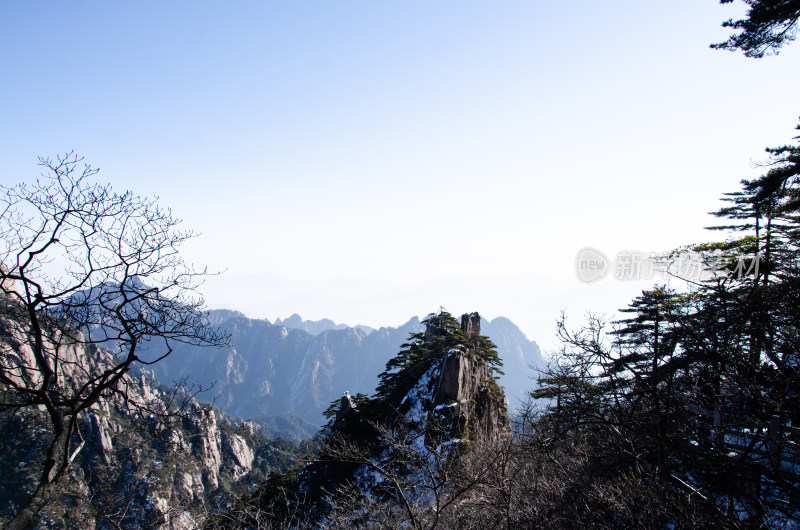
[
  {"x": 241, "y": 454},
  {"x": 462, "y": 400},
  {"x": 165, "y": 476},
  {"x": 100, "y": 430},
  {"x": 206, "y": 444},
  {"x": 19, "y": 363},
  {"x": 468, "y": 399}
]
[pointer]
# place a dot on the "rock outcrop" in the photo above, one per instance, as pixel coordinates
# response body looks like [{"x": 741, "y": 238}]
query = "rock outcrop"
[
  {"x": 164, "y": 475},
  {"x": 461, "y": 399},
  {"x": 345, "y": 414},
  {"x": 206, "y": 443},
  {"x": 100, "y": 430},
  {"x": 241, "y": 454},
  {"x": 438, "y": 400},
  {"x": 468, "y": 400},
  {"x": 455, "y": 400}
]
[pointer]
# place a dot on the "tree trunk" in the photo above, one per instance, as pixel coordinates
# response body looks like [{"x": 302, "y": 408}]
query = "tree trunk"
[{"x": 55, "y": 467}]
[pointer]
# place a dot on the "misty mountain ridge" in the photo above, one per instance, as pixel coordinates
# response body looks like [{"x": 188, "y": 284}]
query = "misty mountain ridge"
[
  {"x": 295, "y": 367},
  {"x": 316, "y": 327}
]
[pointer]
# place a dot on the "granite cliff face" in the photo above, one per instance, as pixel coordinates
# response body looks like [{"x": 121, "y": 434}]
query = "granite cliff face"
[
  {"x": 163, "y": 483},
  {"x": 467, "y": 397},
  {"x": 166, "y": 472},
  {"x": 458, "y": 398}
]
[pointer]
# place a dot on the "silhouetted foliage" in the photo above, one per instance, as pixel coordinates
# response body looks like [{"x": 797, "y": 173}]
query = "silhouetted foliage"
[
  {"x": 695, "y": 394},
  {"x": 768, "y": 26}
]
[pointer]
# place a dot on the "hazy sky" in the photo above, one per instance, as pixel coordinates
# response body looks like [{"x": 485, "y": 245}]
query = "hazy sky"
[{"x": 367, "y": 161}]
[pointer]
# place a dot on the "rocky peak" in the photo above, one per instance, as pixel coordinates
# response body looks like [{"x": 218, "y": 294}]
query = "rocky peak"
[
  {"x": 471, "y": 324},
  {"x": 438, "y": 399},
  {"x": 468, "y": 403},
  {"x": 457, "y": 397},
  {"x": 345, "y": 413}
]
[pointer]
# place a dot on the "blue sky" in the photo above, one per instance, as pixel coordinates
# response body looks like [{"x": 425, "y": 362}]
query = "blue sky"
[{"x": 366, "y": 161}]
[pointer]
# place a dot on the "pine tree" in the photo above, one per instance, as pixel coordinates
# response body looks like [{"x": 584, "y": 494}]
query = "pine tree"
[{"x": 768, "y": 26}]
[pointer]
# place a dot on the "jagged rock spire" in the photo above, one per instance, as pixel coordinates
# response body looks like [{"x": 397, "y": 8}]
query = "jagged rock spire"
[
  {"x": 474, "y": 401},
  {"x": 346, "y": 410},
  {"x": 471, "y": 324}
]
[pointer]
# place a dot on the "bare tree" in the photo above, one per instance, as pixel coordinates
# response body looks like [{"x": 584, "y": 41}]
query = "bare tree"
[
  {"x": 90, "y": 280},
  {"x": 408, "y": 478}
]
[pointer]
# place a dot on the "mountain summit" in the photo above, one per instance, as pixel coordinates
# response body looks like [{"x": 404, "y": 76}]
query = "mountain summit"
[{"x": 438, "y": 400}]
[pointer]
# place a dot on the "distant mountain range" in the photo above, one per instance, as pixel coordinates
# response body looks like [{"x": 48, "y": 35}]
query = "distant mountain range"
[
  {"x": 315, "y": 327},
  {"x": 292, "y": 369}
]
